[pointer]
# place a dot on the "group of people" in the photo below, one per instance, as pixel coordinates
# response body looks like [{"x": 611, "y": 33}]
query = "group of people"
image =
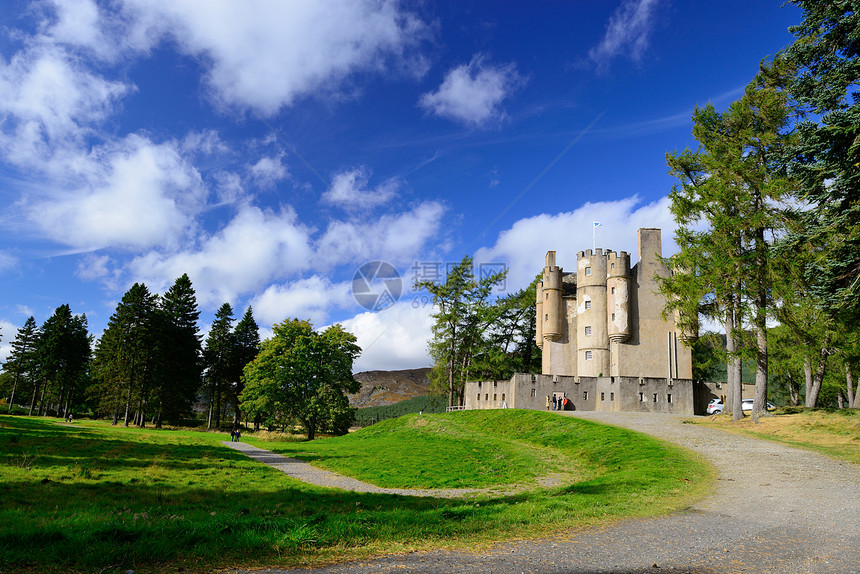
[
  {"x": 558, "y": 402},
  {"x": 235, "y": 434}
]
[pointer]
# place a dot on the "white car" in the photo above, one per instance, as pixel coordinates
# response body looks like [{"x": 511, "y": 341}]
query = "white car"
[
  {"x": 715, "y": 407},
  {"x": 747, "y": 404}
]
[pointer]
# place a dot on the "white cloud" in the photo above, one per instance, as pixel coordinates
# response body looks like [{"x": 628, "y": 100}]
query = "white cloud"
[
  {"x": 473, "y": 93},
  {"x": 266, "y": 54},
  {"x": 312, "y": 298},
  {"x": 524, "y": 245},
  {"x": 395, "y": 238},
  {"x": 349, "y": 189},
  {"x": 7, "y": 261},
  {"x": 134, "y": 194},
  {"x": 627, "y": 32},
  {"x": 93, "y": 266},
  {"x": 7, "y": 335},
  {"x": 49, "y": 102},
  {"x": 254, "y": 248},
  {"x": 268, "y": 171},
  {"x": 395, "y": 338}
]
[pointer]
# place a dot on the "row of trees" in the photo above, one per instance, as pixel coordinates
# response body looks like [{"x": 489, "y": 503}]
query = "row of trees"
[
  {"x": 768, "y": 214},
  {"x": 476, "y": 337},
  {"x": 150, "y": 363}
]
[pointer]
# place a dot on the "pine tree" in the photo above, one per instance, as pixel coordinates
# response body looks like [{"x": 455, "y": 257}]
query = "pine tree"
[
  {"x": 180, "y": 351},
  {"x": 825, "y": 159},
  {"x": 218, "y": 362},
  {"x": 63, "y": 361},
  {"x": 246, "y": 341},
  {"x": 22, "y": 361}
]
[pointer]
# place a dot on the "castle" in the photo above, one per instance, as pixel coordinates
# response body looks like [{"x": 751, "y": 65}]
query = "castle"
[{"x": 605, "y": 340}]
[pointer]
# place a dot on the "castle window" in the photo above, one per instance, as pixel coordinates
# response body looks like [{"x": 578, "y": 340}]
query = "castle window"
[
  {"x": 588, "y": 355},
  {"x": 546, "y": 296},
  {"x": 641, "y": 397},
  {"x": 613, "y": 290},
  {"x": 585, "y": 395},
  {"x": 495, "y": 396},
  {"x": 613, "y": 316},
  {"x": 546, "y": 317},
  {"x": 612, "y": 266},
  {"x": 669, "y": 398},
  {"x": 588, "y": 304},
  {"x": 611, "y": 396},
  {"x": 602, "y": 396},
  {"x": 487, "y": 396},
  {"x": 495, "y": 383},
  {"x": 655, "y": 397},
  {"x": 534, "y": 393},
  {"x": 588, "y": 271},
  {"x": 503, "y": 396},
  {"x": 479, "y": 397},
  {"x": 588, "y": 330}
]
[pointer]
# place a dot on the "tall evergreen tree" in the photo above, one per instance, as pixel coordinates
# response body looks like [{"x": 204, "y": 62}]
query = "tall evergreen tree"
[
  {"x": 126, "y": 361},
  {"x": 218, "y": 362},
  {"x": 180, "y": 351},
  {"x": 22, "y": 362},
  {"x": 63, "y": 360},
  {"x": 463, "y": 313},
  {"x": 825, "y": 159},
  {"x": 246, "y": 341},
  {"x": 727, "y": 205}
]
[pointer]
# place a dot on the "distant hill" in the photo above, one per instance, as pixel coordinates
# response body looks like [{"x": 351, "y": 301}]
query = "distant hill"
[{"x": 380, "y": 388}]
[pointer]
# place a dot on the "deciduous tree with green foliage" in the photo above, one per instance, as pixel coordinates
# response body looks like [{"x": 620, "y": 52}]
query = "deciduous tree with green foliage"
[{"x": 302, "y": 375}]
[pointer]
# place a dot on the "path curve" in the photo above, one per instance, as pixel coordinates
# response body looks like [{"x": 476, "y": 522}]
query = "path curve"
[
  {"x": 775, "y": 509},
  {"x": 312, "y": 475}
]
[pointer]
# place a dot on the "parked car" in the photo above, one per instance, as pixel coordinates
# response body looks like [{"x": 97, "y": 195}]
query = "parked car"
[
  {"x": 715, "y": 407},
  {"x": 747, "y": 404}
]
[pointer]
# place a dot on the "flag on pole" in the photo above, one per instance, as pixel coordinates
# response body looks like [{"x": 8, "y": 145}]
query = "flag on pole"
[{"x": 596, "y": 224}]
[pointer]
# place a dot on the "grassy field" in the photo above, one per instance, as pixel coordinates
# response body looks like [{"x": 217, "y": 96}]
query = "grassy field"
[
  {"x": 835, "y": 432},
  {"x": 93, "y": 498}
]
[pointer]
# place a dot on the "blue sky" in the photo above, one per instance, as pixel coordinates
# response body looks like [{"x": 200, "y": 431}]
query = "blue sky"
[{"x": 269, "y": 149}]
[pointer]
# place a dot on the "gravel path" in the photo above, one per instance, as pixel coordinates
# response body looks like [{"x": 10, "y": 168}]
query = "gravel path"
[{"x": 775, "y": 509}]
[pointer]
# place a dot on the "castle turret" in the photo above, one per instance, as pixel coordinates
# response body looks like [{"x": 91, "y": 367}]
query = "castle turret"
[
  {"x": 618, "y": 296},
  {"x": 592, "y": 337},
  {"x": 552, "y": 312}
]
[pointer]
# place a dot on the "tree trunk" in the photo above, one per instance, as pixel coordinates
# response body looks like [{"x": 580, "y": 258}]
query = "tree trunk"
[
  {"x": 853, "y": 392},
  {"x": 760, "y": 398},
  {"x": 807, "y": 375},
  {"x": 793, "y": 391},
  {"x": 12, "y": 398},
  {"x": 733, "y": 364},
  {"x": 812, "y": 394},
  {"x": 127, "y": 407},
  {"x": 33, "y": 398}
]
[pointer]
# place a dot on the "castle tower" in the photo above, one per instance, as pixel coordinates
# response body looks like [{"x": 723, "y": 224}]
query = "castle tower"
[
  {"x": 592, "y": 337},
  {"x": 551, "y": 313},
  {"x": 618, "y": 296}
]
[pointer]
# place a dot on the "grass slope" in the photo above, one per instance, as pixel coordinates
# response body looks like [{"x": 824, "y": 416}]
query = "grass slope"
[
  {"x": 835, "y": 432},
  {"x": 94, "y": 498}
]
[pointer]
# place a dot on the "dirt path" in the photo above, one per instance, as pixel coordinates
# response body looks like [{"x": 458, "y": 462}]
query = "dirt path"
[{"x": 776, "y": 509}]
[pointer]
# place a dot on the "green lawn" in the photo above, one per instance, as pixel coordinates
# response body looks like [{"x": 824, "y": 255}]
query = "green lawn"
[{"x": 94, "y": 498}]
